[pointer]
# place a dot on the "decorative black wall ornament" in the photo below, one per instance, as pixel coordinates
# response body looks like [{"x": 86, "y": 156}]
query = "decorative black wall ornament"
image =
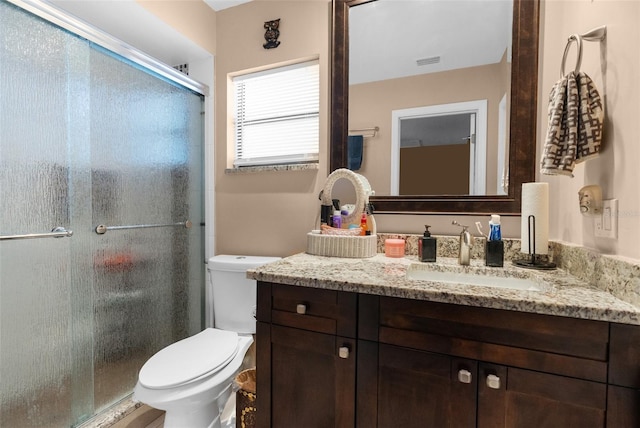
[{"x": 272, "y": 34}]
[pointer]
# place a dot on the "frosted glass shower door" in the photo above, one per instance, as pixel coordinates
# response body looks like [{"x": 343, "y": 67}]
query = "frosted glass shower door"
[
  {"x": 38, "y": 90},
  {"x": 146, "y": 157},
  {"x": 86, "y": 139}
]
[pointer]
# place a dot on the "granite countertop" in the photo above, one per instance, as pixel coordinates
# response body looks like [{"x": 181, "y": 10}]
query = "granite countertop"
[{"x": 562, "y": 293}]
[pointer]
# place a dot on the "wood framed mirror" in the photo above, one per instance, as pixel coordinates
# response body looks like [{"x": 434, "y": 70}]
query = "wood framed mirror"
[{"x": 521, "y": 118}]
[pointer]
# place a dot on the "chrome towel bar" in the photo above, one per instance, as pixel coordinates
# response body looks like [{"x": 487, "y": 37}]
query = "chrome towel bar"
[
  {"x": 365, "y": 132},
  {"x": 57, "y": 232},
  {"x": 102, "y": 229}
]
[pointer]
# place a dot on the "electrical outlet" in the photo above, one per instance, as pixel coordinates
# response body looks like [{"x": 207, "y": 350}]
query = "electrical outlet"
[{"x": 606, "y": 224}]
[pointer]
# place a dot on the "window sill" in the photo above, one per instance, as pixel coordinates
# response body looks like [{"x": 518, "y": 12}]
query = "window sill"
[{"x": 265, "y": 168}]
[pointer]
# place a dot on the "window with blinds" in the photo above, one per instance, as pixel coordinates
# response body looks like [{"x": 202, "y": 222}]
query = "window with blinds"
[{"x": 277, "y": 115}]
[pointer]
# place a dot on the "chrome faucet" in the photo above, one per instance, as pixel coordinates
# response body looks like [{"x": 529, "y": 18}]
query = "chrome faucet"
[{"x": 464, "y": 252}]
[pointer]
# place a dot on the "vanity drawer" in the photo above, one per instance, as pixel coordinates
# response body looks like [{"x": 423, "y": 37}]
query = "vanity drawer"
[
  {"x": 319, "y": 310},
  {"x": 560, "y": 345}
]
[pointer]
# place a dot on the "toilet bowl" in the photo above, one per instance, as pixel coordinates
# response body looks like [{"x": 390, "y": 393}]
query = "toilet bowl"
[
  {"x": 191, "y": 380},
  {"x": 194, "y": 392}
]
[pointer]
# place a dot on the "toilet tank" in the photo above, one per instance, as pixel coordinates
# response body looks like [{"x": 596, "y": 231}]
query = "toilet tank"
[{"x": 230, "y": 296}]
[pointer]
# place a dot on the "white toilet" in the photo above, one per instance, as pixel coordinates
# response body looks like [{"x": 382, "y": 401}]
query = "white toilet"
[{"x": 191, "y": 379}]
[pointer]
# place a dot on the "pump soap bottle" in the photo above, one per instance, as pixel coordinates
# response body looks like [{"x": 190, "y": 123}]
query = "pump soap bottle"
[
  {"x": 494, "y": 248},
  {"x": 427, "y": 246}
]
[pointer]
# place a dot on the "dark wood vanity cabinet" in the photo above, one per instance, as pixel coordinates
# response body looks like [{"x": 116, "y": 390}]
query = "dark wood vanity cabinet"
[
  {"x": 306, "y": 357},
  {"x": 414, "y": 363},
  {"x": 423, "y": 389},
  {"x": 453, "y": 366}
]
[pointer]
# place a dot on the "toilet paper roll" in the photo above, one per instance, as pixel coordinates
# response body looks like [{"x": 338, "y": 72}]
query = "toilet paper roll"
[{"x": 535, "y": 201}]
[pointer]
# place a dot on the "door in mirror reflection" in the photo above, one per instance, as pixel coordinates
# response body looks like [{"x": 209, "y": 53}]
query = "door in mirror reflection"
[{"x": 440, "y": 150}]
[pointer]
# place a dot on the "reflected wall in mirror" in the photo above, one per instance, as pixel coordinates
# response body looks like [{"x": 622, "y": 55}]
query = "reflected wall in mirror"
[{"x": 495, "y": 64}]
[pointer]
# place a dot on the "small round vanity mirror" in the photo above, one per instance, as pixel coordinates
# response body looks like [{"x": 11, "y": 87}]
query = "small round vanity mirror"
[{"x": 352, "y": 189}]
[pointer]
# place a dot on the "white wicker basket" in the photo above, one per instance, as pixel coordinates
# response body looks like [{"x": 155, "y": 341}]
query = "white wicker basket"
[
  {"x": 341, "y": 246},
  {"x": 346, "y": 246}
]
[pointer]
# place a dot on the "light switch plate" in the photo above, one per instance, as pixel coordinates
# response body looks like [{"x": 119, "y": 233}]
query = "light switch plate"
[{"x": 606, "y": 224}]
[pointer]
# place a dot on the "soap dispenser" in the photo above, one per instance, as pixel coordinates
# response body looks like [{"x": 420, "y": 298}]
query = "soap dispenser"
[{"x": 427, "y": 246}]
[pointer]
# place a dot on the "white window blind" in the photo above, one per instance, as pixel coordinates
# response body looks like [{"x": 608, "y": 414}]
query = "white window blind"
[{"x": 277, "y": 115}]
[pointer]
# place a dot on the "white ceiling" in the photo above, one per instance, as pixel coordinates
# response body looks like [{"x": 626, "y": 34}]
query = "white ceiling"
[
  {"x": 388, "y": 36},
  {"x": 463, "y": 33},
  {"x": 218, "y": 5}
]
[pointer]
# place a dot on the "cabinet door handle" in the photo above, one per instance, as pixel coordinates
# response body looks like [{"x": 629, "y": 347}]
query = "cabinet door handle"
[
  {"x": 301, "y": 308},
  {"x": 464, "y": 376},
  {"x": 493, "y": 381},
  {"x": 343, "y": 352}
]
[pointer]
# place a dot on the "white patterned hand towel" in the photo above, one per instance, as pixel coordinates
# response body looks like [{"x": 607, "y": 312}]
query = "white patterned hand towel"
[{"x": 576, "y": 117}]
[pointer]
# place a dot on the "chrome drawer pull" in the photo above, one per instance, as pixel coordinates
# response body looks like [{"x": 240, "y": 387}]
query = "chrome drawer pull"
[
  {"x": 493, "y": 381},
  {"x": 464, "y": 376},
  {"x": 343, "y": 352}
]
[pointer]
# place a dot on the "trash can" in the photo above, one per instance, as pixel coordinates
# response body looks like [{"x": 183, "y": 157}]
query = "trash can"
[{"x": 246, "y": 399}]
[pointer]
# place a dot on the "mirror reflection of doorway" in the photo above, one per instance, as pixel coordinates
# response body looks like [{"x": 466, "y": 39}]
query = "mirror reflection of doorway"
[{"x": 439, "y": 150}]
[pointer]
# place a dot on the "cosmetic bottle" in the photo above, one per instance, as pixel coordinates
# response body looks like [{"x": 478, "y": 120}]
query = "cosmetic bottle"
[
  {"x": 326, "y": 211},
  {"x": 363, "y": 224},
  {"x": 494, "y": 248},
  {"x": 337, "y": 219},
  {"x": 369, "y": 211},
  {"x": 427, "y": 247},
  {"x": 344, "y": 213}
]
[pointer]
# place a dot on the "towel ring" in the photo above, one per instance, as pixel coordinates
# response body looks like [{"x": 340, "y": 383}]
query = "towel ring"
[{"x": 573, "y": 38}]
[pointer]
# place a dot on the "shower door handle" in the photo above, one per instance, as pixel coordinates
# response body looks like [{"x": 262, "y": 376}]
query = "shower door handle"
[
  {"x": 101, "y": 229},
  {"x": 57, "y": 232}
]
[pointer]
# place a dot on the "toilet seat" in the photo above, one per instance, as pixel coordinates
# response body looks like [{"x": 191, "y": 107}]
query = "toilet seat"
[{"x": 190, "y": 359}]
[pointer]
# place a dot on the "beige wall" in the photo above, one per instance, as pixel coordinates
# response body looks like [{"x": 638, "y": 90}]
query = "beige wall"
[
  {"x": 615, "y": 68},
  {"x": 193, "y": 18},
  {"x": 371, "y": 104},
  {"x": 268, "y": 213}
]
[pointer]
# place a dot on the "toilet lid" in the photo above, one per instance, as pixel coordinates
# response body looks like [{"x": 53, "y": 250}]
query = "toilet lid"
[{"x": 204, "y": 353}]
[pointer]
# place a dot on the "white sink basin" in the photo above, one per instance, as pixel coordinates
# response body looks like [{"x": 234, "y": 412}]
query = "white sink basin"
[{"x": 420, "y": 272}]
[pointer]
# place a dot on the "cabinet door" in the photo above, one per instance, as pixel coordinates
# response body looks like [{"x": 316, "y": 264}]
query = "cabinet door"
[
  {"x": 422, "y": 389},
  {"x": 308, "y": 379},
  {"x": 623, "y": 400},
  {"x": 622, "y": 407},
  {"x": 516, "y": 398}
]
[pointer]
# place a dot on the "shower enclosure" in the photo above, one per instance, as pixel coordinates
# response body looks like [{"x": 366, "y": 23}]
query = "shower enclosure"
[{"x": 89, "y": 138}]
